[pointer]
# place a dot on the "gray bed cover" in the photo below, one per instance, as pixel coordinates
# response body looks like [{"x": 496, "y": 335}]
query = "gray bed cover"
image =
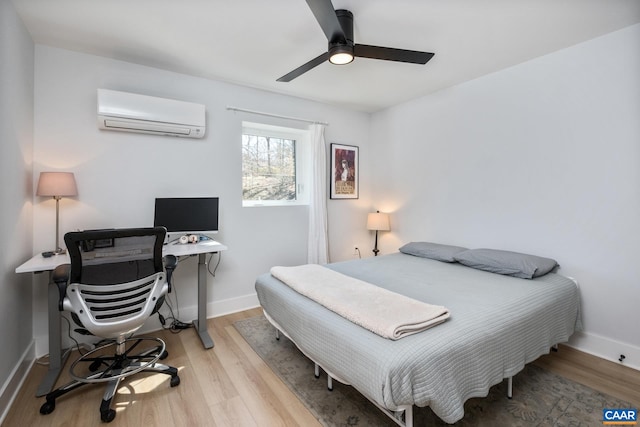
[{"x": 497, "y": 325}]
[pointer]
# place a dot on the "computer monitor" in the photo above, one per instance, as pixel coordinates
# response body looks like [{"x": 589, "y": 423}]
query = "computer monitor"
[{"x": 186, "y": 215}]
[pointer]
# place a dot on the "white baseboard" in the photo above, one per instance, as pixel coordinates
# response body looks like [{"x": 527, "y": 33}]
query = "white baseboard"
[
  {"x": 214, "y": 309},
  {"x": 594, "y": 344},
  {"x": 606, "y": 348},
  {"x": 232, "y": 305},
  {"x": 185, "y": 314},
  {"x": 15, "y": 380}
]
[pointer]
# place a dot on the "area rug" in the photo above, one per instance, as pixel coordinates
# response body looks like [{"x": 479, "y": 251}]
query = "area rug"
[{"x": 540, "y": 398}]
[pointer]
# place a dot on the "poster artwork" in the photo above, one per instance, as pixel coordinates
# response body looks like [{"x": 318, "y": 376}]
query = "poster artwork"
[
  {"x": 344, "y": 161},
  {"x": 345, "y": 172}
]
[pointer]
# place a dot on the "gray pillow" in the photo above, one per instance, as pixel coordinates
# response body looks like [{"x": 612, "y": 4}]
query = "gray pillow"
[
  {"x": 505, "y": 262},
  {"x": 432, "y": 250}
]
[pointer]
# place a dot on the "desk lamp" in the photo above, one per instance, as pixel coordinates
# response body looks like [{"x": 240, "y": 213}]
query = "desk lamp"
[
  {"x": 57, "y": 185},
  {"x": 378, "y": 222}
]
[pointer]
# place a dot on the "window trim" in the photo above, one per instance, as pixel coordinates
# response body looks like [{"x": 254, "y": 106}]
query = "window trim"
[{"x": 303, "y": 161}]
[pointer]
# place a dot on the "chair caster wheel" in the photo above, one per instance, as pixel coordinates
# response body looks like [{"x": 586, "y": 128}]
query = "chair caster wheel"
[
  {"x": 108, "y": 415},
  {"x": 47, "y": 408},
  {"x": 164, "y": 355},
  {"x": 175, "y": 381}
]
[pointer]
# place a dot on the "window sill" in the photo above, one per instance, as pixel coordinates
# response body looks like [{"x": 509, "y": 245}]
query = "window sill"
[{"x": 272, "y": 203}]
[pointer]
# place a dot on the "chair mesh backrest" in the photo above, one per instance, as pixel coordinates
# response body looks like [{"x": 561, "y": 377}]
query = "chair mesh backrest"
[
  {"x": 106, "y": 257},
  {"x": 114, "y": 277}
]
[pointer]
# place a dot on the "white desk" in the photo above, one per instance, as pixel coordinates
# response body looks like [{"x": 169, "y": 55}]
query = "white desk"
[{"x": 39, "y": 264}]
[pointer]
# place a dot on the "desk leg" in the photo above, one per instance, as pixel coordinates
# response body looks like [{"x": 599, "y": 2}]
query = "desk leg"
[
  {"x": 201, "y": 322},
  {"x": 56, "y": 359}
]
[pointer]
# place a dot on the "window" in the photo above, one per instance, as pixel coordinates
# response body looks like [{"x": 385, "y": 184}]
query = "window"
[{"x": 274, "y": 165}]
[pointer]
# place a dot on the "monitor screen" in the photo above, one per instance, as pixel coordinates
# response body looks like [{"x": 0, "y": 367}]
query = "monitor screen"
[{"x": 187, "y": 215}]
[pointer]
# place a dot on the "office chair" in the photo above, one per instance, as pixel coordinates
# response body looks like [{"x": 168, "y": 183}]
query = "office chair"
[{"x": 114, "y": 283}]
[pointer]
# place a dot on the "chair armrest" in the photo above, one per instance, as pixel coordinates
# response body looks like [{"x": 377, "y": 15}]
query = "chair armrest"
[
  {"x": 170, "y": 264},
  {"x": 60, "y": 277}
]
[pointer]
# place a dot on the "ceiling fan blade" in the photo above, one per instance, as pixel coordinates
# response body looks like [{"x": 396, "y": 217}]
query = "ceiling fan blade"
[
  {"x": 304, "y": 68},
  {"x": 391, "y": 54},
  {"x": 326, "y": 16}
]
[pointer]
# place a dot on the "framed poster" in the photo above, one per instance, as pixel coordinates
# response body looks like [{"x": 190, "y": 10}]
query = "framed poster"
[{"x": 344, "y": 171}]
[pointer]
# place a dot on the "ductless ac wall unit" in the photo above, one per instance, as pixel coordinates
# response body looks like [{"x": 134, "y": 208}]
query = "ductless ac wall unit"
[{"x": 131, "y": 112}]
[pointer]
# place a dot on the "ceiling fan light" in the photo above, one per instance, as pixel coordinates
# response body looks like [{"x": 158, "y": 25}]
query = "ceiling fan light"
[
  {"x": 340, "y": 55},
  {"x": 341, "y": 58}
]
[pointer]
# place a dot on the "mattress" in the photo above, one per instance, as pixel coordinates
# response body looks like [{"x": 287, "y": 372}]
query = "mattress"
[{"x": 497, "y": 325}]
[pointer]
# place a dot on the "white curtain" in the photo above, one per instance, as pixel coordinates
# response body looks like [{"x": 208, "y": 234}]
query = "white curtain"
[{"x": 318, "y": 250}]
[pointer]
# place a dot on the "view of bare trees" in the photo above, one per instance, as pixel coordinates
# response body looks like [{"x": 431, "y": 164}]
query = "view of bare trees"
[{"x": 268, "y": 168}]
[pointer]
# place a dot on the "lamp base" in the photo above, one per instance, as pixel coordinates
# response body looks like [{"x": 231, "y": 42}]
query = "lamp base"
[
  {"x": 375, "y": 246},
  {"x": 59, "y": 251}
]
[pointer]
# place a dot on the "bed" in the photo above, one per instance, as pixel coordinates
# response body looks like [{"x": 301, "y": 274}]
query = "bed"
[{"x": 497, "y": 324}]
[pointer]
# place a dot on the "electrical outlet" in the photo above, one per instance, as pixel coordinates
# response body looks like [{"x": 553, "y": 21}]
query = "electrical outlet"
[{"x": 356, "y": 252}]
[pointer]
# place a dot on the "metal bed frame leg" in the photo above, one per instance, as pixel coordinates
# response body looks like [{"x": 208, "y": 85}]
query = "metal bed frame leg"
[
  {"x": 397, "y": 416},
  {"x": 509, "y": 387},
  {"x": 403, "y": 416},
  {"x": 408, "y": 417},
  {"x": 316, "y": 373}
]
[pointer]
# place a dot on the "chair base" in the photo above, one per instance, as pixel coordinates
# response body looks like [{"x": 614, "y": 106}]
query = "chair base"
[{"x": 115, "y": 367}]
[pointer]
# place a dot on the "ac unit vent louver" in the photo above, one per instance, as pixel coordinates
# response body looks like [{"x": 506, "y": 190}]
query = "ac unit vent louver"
[{"x": 130, "y": 112}]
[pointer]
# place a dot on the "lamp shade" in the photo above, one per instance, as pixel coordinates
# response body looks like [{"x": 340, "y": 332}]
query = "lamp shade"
[
  {"x": 57, "y": 184},
  {"x": 378, "y": 221}
]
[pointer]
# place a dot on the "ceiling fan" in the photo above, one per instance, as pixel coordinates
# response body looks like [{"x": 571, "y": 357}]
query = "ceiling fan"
[{"x": 338, "y": 27}]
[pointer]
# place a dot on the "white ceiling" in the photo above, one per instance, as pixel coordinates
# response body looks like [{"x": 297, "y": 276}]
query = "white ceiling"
[{"x": 254, "y": 42}]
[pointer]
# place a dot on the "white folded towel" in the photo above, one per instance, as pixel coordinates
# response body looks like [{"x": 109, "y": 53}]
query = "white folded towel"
[{"x": 379, "y": 310}]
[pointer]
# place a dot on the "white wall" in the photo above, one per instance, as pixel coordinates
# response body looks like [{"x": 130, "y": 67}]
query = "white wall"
[
  {"x": 16, "y": 147},
  {"x": 120, "y": 174},
  {"x": 541, "y": 158}
]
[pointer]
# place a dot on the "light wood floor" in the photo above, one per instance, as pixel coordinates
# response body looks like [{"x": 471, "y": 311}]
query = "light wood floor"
[{"x": 230, "y": 385}]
